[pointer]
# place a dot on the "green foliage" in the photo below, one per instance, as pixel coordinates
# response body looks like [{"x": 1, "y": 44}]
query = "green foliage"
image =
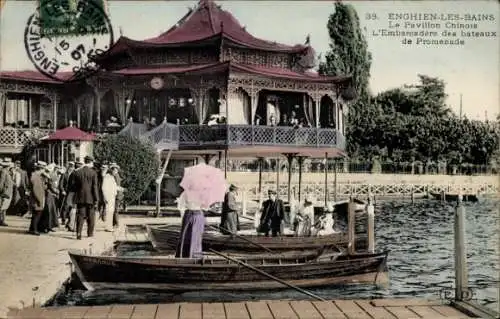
[
  {"x": 410, "y": 123},
  {"x": 413, "y": 123},
  {"x": 137, "y": 159},
  {"x": 348, "y": 53}
]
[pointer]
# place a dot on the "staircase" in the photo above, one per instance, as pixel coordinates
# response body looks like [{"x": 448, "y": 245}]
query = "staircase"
[{"x": 164, "y": 137}]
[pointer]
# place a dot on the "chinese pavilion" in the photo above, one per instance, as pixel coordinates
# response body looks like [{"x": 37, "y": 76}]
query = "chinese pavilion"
[{"x": 223, "y": 90}]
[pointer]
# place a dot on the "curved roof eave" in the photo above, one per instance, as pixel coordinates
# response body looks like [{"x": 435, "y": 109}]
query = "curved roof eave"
[{"x": 124, "y": 43}]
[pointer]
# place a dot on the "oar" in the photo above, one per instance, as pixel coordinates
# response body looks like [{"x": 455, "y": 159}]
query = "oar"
[
  {"x": 241, "y": 237},
  {"x": 265, "y": 274}
]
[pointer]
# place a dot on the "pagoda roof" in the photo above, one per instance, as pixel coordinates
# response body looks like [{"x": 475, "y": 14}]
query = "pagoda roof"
[
  {"x": 232, "y": 66},
  {"x": 33, "y": 76},
  {"x": 207, "y": 21}
]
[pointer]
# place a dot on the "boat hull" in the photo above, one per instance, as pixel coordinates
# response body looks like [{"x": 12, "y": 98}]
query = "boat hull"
[
  {"x": 182, "y": 275},
  {"x": 165, "y": 239}
]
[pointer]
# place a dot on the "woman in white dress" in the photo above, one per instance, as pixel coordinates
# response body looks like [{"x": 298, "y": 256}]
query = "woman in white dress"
[{"x": 305, "y": 218}]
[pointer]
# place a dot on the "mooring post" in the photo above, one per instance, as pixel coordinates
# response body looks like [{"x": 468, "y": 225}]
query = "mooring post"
[
  {"x": 461, "y": 272},
  {"x": 370, "y": 211},
  {"x": 335, "y": 180},
  {"x": 412, "y": 193},
  {"x": 351, "y": 223}
]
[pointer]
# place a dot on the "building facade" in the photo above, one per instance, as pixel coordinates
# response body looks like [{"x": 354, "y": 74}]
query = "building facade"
[{"x": 225, "y": 90}]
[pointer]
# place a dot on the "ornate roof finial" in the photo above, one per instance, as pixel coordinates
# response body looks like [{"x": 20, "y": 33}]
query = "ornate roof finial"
[{"x": 308, "y": 39}]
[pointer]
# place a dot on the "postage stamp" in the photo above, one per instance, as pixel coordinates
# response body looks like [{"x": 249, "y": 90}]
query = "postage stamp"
[{"x": 63, "y": 37}]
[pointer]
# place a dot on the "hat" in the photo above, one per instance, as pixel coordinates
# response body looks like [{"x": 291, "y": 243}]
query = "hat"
[
  {"x": 114, "y": 165},
  {"x": 233, "y": 187},
  {"x": 17, "y": 162},
  {"x": 40, "y": 164},
  {"x": 71, "y": 163},
  {"x": 88, "y": 158},
  {"x": 78, "y": 164},
  {"x": 104, "y": 166},
  {"x": 51, "y": 167},
  {"x": 271, "y": 191}
]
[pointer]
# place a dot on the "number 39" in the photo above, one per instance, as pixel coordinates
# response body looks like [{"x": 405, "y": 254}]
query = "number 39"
[{"x": 371, "y": 16}]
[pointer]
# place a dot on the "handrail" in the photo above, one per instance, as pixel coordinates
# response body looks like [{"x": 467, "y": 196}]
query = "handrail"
[{"x": 194, "y": 134}]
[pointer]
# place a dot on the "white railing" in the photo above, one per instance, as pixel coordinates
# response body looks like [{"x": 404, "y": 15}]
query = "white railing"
[{"x": 18, "y": 137}]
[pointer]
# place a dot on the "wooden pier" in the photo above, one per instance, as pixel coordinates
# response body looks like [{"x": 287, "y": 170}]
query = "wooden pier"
[
  {"x": 30, "y": 262},
  {"x": 280, "y": 309}
]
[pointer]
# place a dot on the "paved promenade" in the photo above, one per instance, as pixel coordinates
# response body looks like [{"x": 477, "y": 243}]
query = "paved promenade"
[{"x": 33, "y": 268}]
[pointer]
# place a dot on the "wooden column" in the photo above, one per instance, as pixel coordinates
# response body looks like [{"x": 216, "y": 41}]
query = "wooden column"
[
  {"x": 326, "y": 178},
  {"x": 300, "y": 160},
  {"x": 277, "y": 176},
  {"x": 54, "y": 98},
  {"x": 289, "y": 158},
  {"x": 3, "y": 101},
  {"x": 335, "y": 180},
  {"x": 225, "y": 163},
  {"x": 317, "y": 103},
  {"x": 261, "y": 163}
]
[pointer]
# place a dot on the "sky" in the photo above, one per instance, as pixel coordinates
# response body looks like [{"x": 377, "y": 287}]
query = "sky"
[{"x": 470, "y": 70}]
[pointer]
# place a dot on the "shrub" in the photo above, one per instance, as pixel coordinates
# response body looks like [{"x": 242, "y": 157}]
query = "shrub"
[{"x": 137, "y": 160}]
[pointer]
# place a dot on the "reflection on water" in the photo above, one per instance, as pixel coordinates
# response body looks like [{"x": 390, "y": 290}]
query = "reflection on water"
[{"x": 420, "y": 239}]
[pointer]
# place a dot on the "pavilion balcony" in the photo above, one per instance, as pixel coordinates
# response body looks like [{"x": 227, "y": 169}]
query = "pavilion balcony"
[
  {"x": 221, "y": 136},
  {"x": 12, "y": 140}
]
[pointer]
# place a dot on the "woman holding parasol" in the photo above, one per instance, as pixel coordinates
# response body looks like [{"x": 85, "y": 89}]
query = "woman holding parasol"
[{"x": 203, "y": 185}]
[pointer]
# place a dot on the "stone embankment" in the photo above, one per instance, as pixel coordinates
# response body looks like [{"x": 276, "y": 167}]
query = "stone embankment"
[{"x": 33, "y": 268}]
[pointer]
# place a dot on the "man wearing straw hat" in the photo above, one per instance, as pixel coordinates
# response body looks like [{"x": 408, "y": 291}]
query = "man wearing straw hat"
[{"x": 6, "y": 188}]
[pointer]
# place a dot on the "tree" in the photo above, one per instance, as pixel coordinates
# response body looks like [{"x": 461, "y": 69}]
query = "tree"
[
  {"x": 348, "y": 53},
  {"x": 137, "y": 159}
]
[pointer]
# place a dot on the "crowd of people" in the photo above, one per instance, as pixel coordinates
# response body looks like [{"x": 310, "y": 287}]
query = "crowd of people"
[
  {"x": 273, "y": 218},
  {"x": 62, "y": 196}
]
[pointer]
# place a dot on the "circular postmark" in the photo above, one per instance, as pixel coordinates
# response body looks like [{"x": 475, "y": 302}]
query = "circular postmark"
[{"x": 63, "y": 38}]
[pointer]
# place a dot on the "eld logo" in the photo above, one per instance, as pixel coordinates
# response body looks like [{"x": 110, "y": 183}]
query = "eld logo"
[{"x": 449, "y": 294}]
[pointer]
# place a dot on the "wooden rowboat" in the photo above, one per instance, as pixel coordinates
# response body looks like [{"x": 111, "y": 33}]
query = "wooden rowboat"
[
  {"x": 165, "y": 239},
  {"x": 195, "y": 274}
]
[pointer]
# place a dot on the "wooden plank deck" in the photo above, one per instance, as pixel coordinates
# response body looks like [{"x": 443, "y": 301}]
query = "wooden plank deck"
[{"x": 276, "y": 309}]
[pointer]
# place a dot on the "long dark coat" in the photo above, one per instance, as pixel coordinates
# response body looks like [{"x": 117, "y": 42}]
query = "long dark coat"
[
  {"x": 273, "y": 213},
  {"x": 85, "y": 186}
]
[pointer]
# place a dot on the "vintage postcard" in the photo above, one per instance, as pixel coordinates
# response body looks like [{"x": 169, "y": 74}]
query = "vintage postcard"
[{"x": 243, "y": 159}]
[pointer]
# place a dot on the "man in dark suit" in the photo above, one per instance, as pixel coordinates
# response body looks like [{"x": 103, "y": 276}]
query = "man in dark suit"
[
  {"x": 85, "y": 186},
  {"x": 273, "y": 212}
]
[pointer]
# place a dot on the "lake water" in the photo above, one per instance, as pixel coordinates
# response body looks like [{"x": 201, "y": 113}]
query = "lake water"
[{"x": 420, "y": 239}]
